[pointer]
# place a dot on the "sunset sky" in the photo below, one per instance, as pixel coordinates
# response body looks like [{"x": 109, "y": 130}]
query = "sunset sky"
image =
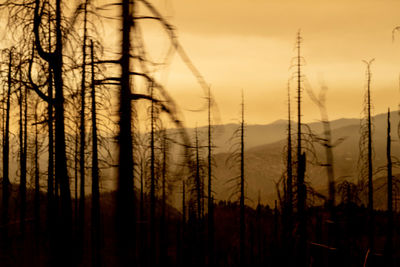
[{"x": 248, "y": 44}]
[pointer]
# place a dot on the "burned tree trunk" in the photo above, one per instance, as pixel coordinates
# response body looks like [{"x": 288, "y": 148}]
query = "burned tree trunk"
[
  {"x": 55, "y": 60},
  {"x": 125, "y": 212},
  {"x": 301, "y": 164},
  {"x": 198, "y": 180},
  {"x": 50, "y": 167},
  {"x": 76, "y": 175},
  {"x": 96, "y": 234},
  {"x": 163, "y": 219},
  {"x": 153, "y": 254},
  {"x": 389, "y": 233},
  {"x": 37, "y": 173},
  {"x": 82, "y": 135},
  {"x": 22, "y": 155},
  {"x": 242, "y": 237},
  {"x": 210, "y": 197},
  {"x": 6, "y": 151},
  {"x": 288, "y": 214},
  {"x": 369, "y": 160}
]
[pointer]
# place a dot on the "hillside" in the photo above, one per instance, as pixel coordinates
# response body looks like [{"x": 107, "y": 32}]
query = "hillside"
[{"x": 264, "y": 163}]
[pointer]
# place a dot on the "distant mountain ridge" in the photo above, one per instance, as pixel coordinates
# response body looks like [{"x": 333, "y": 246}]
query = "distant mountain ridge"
[
  {"x": 259, "y": 134},
  {"x": 264, "y": 158}
]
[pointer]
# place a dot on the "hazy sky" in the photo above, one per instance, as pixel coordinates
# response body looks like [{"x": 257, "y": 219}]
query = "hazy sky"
[{"x": 249, "y": 44}]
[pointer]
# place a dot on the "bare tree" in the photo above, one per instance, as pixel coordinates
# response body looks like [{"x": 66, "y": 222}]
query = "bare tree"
[
  {"x": 301, "y": 188},
  {"x": 242, "y": 241},
  {"x": 96, "y": 234},
  {"x": 366, "y": 156},
  {"x": 326, "y": 142},
  {"x": 6, "y": 151},
  {"x": 209, "y": 191},
  {"x": 389, "y": 233},
  {"x": 22, "y": 102},
  {"x": 125, "y": 212},
  {"x": 82, "y": 130}
]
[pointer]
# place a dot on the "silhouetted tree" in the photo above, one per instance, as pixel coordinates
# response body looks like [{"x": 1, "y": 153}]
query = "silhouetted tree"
[
  {"x": 288, "y": 213},
  {"x": 6, "y": 153},
  {"x": 125, "y": 212},
  {"x": 326, "y": 142},
  {"x": 96, "y": 234},
  {"x": 36, "y": 166},
  {"x": 153, "y": 117},
  {"x": 242, "y": 241},
  {"x": 389, "y": 234},
  {"x": 51, "y": 205},
  {"x": 301, "y": 188},
  {"x": 164, "y": 181},
  {"x": 22, "y": 103},
  {"x": 82, "y": 133},
  {"x": 209, "y": 191},
  {"x": 366, "y": 156}
]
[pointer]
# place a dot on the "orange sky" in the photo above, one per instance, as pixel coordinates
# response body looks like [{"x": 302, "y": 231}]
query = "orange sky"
[{"x": 249, "y": 44}]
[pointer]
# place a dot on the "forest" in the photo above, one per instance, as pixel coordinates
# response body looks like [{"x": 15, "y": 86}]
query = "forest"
[{"x": 100, "y": 169}]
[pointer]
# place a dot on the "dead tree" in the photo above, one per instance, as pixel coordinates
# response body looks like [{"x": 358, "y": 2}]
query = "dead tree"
[
  {"x": 301, "y": 188},
  {"x": 242, "y": 244},
  {"x": 96, "y": 234},
  {"x": 389, "y": 233},
  {"x": 236, "y": 158},
  {"x": 82, "y": 134},
  {"x": 163, "y": 219},
  {"x": 366, "y": 143},
  {"x": 22, "y": 102},
  {"x": 55, "y": 59},
  {"x": 51, "y": 205},
  {"x": 153, "y": 181},
  {"x": 6, "y": 151},
  {"x": 198, "y": 183},
  {"x": 288, "y": 213},
  {"x": 183, "y": 231},
  {"x": 209, "y": 193},
  {"x": 326, "y": 142},
  {"x": 36, "y": 169},
  {"x": 125, "y": 212}
]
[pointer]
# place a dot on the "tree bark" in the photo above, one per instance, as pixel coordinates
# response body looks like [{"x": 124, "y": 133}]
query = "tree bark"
[
  {"x": 125, "y": 212},
  {"x": 242, "y": 194},
  {"x": 389, "y": 233},
  {"x": 82, "y": 135},
  {"x": 6, "y": 151},
  {"x": 96, "y": 232}
]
